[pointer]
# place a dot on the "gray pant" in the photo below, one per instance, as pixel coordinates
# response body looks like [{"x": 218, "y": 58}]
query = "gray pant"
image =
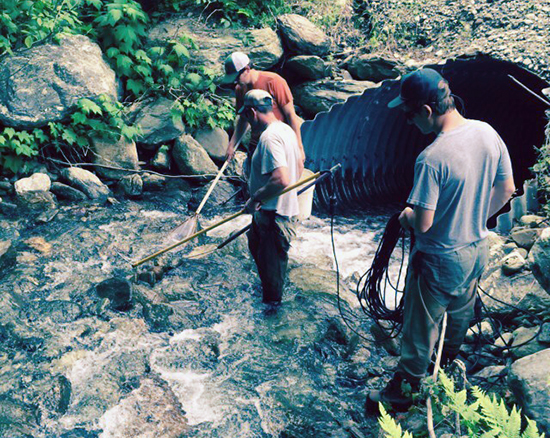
[
  {"x": 269, "y": 242},
  {"x": 435, "y": 284}
]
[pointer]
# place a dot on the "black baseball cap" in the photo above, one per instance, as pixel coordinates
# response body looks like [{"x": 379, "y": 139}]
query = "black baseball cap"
[{"x": 420, "y": 86}]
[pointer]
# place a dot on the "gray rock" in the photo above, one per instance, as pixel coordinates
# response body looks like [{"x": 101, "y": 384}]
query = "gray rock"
[
  {"x": 157, "y": 122},
  {"x": 509, "y": 247},
  {"x": 17, "y": 414},
  {"x": 118, "y": 291},
  {"x": 214, "y": 141},
  {"x": 37, "y": 200},
  {"x": 544, "y": 337},
  {"x": 60, "y": 311},
  {"x": 8, "y": 254},
  {"x": 6, "y": 188},
  {"x": 540, "y": 254},
  {"x": 122, "y": 153},
  {"x": 485, "y": 330},
  {"x": 236, "y": 165},
  {"x": 131, "y": 185},
  {"x": 38, "y": 182},
  {"x": 513, "y": 263},
  {"x": 504, "y": 339},
  {"x": 266, "y": 49},
  {"x": 526, "y": 336},
  {"x": 526, "y": 238},
  {"x": 531, "y": 220},
  {"x": 301, "y": 36},
  {"x": 86, "y": 182},
  {"x": 221, "y": 193},
  {"x": 162, "y": 159},
  {"x": 151, "y": 394},
  {"x": 42, "y": 84},
  {"x": 310, "y": 68},
  {"x": 520, "y": 290},
  {"x": 63, "y": 191},
  {"x": 152, "y": 182},
  {"x": 8, "y": 209},
  {"x": 318, "y": 96},
  {"x": 528, "y": 380},
  {"x": 191, "y": 158},
  {"x": 372, "y": 68},
  {"x": 492, "y": 373}
]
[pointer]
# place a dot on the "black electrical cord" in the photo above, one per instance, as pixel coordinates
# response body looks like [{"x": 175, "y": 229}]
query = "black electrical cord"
[{"x": 373, "y": 285}]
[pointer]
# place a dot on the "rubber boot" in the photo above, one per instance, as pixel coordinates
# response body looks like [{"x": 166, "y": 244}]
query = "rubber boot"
[{"x": 397, "y": 394}]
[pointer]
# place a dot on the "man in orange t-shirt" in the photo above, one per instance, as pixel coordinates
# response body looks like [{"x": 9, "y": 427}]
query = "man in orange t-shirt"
[{"x": 240, "y": 72}]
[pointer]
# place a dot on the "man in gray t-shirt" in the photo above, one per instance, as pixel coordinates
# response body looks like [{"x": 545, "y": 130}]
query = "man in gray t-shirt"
[
  {"x": 462, "y": 179},
  {"x": 275, "y": 164}
]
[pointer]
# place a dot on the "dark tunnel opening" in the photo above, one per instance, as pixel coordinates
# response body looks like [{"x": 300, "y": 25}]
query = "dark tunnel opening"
[{"x": 377, "y": 148}]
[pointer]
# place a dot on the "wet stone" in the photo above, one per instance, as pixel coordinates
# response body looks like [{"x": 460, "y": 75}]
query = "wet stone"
[
  {"x": 7, "y": 254},
  {"x": 63, "y": 191},
  {"x": 60, "y": 311},
  {"x": 20, "y": 416},
  {"x": 80, "y": 433},
  {"x": 118, "y": 291}
]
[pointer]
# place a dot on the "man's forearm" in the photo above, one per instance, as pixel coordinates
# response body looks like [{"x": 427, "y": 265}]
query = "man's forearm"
[
  {"x": 501, "y": 193},
  {"x": 240, "y": 129}
]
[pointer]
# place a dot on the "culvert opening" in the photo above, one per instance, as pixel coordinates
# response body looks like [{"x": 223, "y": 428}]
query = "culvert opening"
[{"x": 377, "y": 148}]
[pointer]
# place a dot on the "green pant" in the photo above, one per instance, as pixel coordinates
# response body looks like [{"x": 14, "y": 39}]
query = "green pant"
[
  {"x": 269, "y": 242},
  {"x": 435, "y": 284}
]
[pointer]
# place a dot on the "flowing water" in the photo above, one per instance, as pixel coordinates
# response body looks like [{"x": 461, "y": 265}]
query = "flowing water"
[{"x": 196, "y": 354}]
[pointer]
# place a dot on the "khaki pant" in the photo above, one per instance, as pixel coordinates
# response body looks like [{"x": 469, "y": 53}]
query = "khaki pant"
[
  {"x": 269, "y": 241},
  {"x": 436, "y": 284}
]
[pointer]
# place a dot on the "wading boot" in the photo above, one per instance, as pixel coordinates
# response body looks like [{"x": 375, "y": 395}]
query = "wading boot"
[{"x": 397, "y": 394}]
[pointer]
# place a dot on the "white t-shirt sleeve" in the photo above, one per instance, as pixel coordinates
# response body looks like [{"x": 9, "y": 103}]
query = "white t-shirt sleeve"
[{"x": 273, "y": 155}]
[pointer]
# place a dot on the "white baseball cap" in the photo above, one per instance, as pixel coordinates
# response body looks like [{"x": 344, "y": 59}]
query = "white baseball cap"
[{"x": 234, "y": 64}]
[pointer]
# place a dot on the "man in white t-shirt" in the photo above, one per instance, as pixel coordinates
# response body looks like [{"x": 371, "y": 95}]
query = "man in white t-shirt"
[{"x": 275, "y": 165}]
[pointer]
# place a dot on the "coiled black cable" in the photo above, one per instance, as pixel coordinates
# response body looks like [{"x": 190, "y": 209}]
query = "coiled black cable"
[{"x": 373, "y": 286}]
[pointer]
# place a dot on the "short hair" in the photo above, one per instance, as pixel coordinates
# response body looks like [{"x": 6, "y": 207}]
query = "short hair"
[{"x": 444, "y": 102}]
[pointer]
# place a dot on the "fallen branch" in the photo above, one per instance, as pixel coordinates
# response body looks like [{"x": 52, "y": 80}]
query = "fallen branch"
[{"x": 139, "y": 171}]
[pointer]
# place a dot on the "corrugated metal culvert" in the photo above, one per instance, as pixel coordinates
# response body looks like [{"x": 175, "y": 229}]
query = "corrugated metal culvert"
[{"x": 377, "y": 148}]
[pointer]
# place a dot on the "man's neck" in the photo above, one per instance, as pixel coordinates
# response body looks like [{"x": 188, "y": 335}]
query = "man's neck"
[
  {"x": 266, "y": 120},
  {"x": 254, "y": 74},
  {"x": 448, "y": 121}
]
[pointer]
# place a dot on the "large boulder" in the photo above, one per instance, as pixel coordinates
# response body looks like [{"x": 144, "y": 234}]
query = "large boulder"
[
  {"x": 63, "y": 191},
  {"x": 528, "y": 379},
  {"x": 86, "y": 182},
  {"x": 223, "y": 193},
  {"x": 37, "y": 182},
  {"x": 266, "y": 48},
  {"x": 121, "y": 153},
  {"x": 372, "y": 68},
  {"x": 42, "y": 84},
  {"x": 308, "y": 67},
  {"x": 214, "y": 141},
  {"x": 540, "y": 256},
  {"x": 191, "y": 158},
  {"x": 318, "y": 96},
  {"x": 156, "y": 121},
  {"x": 214, "y": 45},
  {"x": 301, "y": 36},
  {"x": 520, "y": 290}
]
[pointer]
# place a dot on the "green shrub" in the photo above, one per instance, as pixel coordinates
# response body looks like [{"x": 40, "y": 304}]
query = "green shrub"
[
  {"x": 479, "y": 415},
  {"x": 120, "y": 28},
  {"x": 542, "y": 173}
]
